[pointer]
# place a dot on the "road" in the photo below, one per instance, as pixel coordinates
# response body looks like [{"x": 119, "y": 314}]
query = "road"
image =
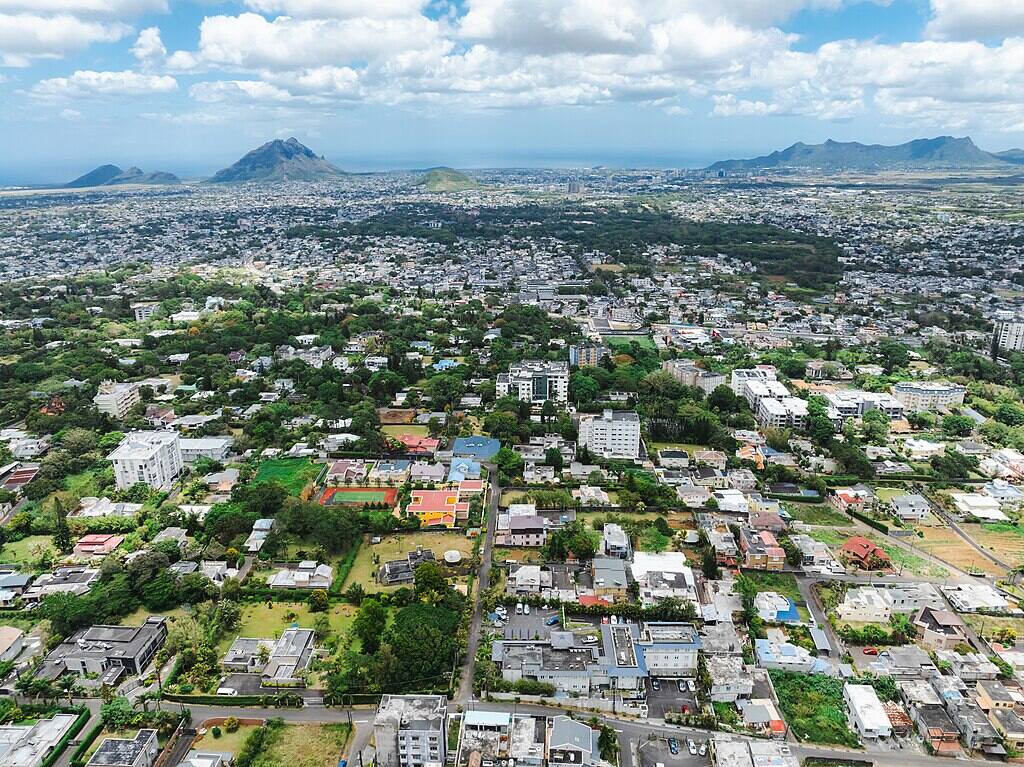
[
  {"x": 942, "y": 514},
  {"x": 465, "y": 691}
]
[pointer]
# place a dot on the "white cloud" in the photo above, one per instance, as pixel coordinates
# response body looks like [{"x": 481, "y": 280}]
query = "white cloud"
[
  {"x": 237, "y": 90},
  {"x": 85, "y": 83},
  {"x": 730, "y": 106},
  {"x": 26, "y": 36},
  {"x": 971, "y": 19},
  {"x": 86, "y": 7},
  {"x": 149, "y": 48},
  {"x": 70, "y": 114},
  {"x": 337, "y": 9}
]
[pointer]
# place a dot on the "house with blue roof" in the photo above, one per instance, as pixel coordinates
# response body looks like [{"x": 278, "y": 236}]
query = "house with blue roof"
[
  {"x": 463, "y": 468},
  {"x": 477, "y": 447},
  {"x": 774, "y": 608},
  {"x": 442, "y": 365},
  {"x": 787, "y": 657}
]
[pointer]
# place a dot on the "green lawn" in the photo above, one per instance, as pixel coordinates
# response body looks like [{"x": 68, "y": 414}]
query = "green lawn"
[
  {"x": 21, "y": 552},
  {"x": 372, "y": 555},
  {"x": 414, "y": 430},
  {"x": 814, "y": 708},
  {"x": 620, "y": 344},
  {"x": 831, "y": 536},
  {"x": 886, "y": 494},
  {"x": 268, "y": 620},
  {"x": 139, "y": 617},
  {"x": 782, "y": 583},
  {"x": 291, "y": 473},
  {"x": 818, "y": 514},
  {"x": 909, "y": 563},
  {"x": 228, "y": 741}
]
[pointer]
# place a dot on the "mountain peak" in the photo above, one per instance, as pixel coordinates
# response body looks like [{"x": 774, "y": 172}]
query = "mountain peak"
[
  {"x": 924, "y": 153},
  {"x": 112, "y": 175},
  {"x": 278, "y": 160}
]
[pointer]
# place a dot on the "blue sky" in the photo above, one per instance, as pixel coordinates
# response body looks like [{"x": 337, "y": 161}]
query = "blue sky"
[{"x": 189, "y": 85}]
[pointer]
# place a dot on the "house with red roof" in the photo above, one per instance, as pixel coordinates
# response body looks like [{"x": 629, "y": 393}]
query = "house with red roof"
[
  {"x": 865, "y": 554},
  {"x": 445, "y": 508},
  {"x": 97, "y": 544},
  {"x": 420, "y": 445}
]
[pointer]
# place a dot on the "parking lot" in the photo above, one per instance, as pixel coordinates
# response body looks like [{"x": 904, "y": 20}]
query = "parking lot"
[
  {"x": 655, "y": 752},
  {"x": 668, "y": 698},
  {"x": 535, "y": 625}
]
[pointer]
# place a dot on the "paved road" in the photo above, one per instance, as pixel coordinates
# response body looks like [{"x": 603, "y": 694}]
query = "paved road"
[{"x": 465, "y": 691}]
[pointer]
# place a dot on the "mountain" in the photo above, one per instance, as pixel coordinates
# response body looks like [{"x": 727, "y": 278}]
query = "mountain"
[
  {"x": 111, "y": 175},
  {"x": 278, "y": 160},
  {"x": 447, "y": 180},
  {"x": 926, "y": 153}
]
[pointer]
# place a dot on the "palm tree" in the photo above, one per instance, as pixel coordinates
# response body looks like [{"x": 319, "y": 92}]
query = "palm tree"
[
  {"x": 25, "y": 686},
  {"x": 68, "y": 684}
]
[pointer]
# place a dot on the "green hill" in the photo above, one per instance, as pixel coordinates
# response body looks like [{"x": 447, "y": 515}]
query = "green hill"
[{"x": 447, "y": 180}]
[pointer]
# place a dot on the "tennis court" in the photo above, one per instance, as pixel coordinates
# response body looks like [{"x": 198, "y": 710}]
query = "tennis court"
[{"x": 357, "y": 496}]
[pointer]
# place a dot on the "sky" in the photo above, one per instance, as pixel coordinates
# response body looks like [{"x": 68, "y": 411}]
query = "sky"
[{"x": 188, "y": 86}]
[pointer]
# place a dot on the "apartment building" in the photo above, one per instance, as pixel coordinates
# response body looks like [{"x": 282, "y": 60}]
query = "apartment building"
[
  {"x": 411, "y": 730},
  {"x": 928, "y": 395},
  {"x": 761, "y": 550},
  {"x": 1009, "y": 333},
  {"x": 688, "y": 374},
  {"x": 866, "y": 712},
  {"x": 851, "y": 403},
  {"x": 143, "y": 311},
  {"x": 151, "y": 457},
  {"x": 782, "y": 413},
  {"x": 587, "y": 355},
  {"x": 535, "y": 382},
  {"x": 214, "y": 448},
  {"x": 612, "y": 434},
  {"x": 116, "y": 399}
]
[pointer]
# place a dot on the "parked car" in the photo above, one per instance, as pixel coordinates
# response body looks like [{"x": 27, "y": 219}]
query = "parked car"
[
  {"x": 703, "y": 750},
  {"x": 681, "y": 684},
  {"x": 590, "y": 639},
  {"x": 655, "y": 684},
  {"x": 519, "y": 608},
  {"x": 552, "y": 621},
  {"x": 692, "y": 747},
  {"x": 227, "y": 691},
  {"x": 526, "y": 609},
  {"x": 870, "y": 651},
  {"x": 673, "y": 746}
]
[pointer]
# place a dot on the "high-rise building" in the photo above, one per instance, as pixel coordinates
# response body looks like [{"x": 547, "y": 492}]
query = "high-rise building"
[
  {"x": 612, "y": 434},
  {"x": 535, "y": 381},
  {"x": 1009, "y": 334},
  {"x": 151, "y": 457},
  {"x": 587, "y": 355},
  {"x": 411, "y": 730},
  {"x": 928, "y": 395},
  {"x": 116, "y": 399}
]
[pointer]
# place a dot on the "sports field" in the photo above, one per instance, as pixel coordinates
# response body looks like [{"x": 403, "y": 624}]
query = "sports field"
[{"x": 357, "y": 496}]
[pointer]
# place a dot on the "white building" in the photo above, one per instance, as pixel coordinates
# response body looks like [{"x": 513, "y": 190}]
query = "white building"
[
  {"x": 143, "y": 311},
  {"x": 411, "y": 730},
  {"x": 866, "y": 712},
  {"x": 851, "y": 403},
  {"x": 928, "y": 395},
  {"x": 782, "y": 413},
  {"x": 1009, "y": 334},
  {"x": 214, "y": 448},
  {"x": 613, "y": 434},
  {"x": 151, "y": 457},
  {"x": 535, "y": 381},
  {"x": 116, "y": 399}
]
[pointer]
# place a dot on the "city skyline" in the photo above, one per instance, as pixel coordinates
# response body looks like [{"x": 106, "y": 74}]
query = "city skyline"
[{"x": 188, "y": 87}]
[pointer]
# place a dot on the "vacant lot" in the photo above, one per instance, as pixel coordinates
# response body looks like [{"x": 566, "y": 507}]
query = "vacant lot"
[
  {"x": 782, "y": 583},
  {"x": 26, "y": 550},
  {"x": 886, "y": 494},
  {"x": 944, "y": 543},
  {"x": 908, "y": 563},
  {"x": 269, "y": 619},
  {"x": 139, "y": 617},
  {"x": 358, "y": 496},
  {"x": 372, "y": 555},
  {"x": 307, "y": 745},
  {"x": 814, "y": 708},
  {"x": 1005, "y": 541},
  {"x": 620, "y": 344},
  {"x": 411, "y": 429},
  {"x": 291, "y": 473},
  {"x": 986, "y": 625},
  {"x": 817, "y": 514}
]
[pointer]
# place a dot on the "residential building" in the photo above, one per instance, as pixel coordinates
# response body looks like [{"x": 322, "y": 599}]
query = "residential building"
[
  {"x": 865, "y": 554},
  {"x": 97, "y": 544},
  {"x": 151, "y": 457},
  {"x": 866, "y": 711},
  {"x": 663, "y": 575},
  {"x": 214, "y": 448},
  {"x": 610, "y": 578},
  {"x": 928, "y": 395},
  {"x": 1009, "y": 334},
  {"x": 1010, "y": 726},
  {"x": 761, "y": 550},
  {"x": 63, "y": 580},
  {"x": 112, "y": 652},
  {"x": 851, "y": 403},
  {"x": 286, "y": 657},
  {"x": 117, "y": 399},
  {"x": 940, "y": 629},
  {"x": 572, "y": 743},
  {"x": 29, "y": 745},
  {"x": 975, "y": 597},
  {"x": 403, "y": 571},
  {"x": 587, "y": 355},
  {"x": 784, "y": 656},
  {"x": 140, "y": 751},
  {"x": 306, "y": 575},
  {"x": 615, "y": 541},
  {"x": 911, "y": 507},
  {"x": 781, "y": 413},
  {"x": 535, "y": 382},
  {"x": 730, "y": 680},
  {"x": 411, "y": 730},
  {"x": 612, "y": 434}
]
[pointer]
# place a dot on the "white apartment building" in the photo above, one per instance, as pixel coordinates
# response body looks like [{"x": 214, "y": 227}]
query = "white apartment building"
[
  {"x": 535, "y": 381},
  {"x": 754, "y": 391},
  {"x": 144, "y": 311},
  {"x": 1009, "y": 334},
  {"x": 411, "y": 730},
  {"x": 116, "y": 399},
  {"x": 688, "y": 374},
  {"x": 613, "y": 434},
  {"x": 851, "y": 403},
  {"x": 742, "y": 376},
  {"x": 928, "y": 395},
  {"x": 214, "y": 448},
  {"x": 152, "y": 457},
  {"x": 782, "y": 413},
  {"x": 866, "y": 712}
]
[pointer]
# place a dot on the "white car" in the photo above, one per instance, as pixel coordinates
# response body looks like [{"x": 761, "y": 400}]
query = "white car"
[
  {"x": 519, "y": 608},
  {"x": 526, "y": 609},
  {"x": 692, "y": 747},
  {"x": 227, "y": 691}
]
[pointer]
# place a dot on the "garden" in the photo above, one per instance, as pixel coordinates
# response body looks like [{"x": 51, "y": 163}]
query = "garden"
[{"x": 813, "y": 706}]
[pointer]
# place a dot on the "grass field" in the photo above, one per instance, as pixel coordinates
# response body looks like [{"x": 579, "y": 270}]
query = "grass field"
[
  {"x": 1004, "y": 540},
  {"x": 620, "y": 344},
  {"x": 782, "y": 583},
  {"x": 372, "y": 555},
  {"x": 228, "y": 741},
  {"x": 944, "y": 543},
  {"x": 886, "y": 494},
  {"x": 139, "y": 617},
  {"x": 357, "y": 496},
  {"x": 268, "y": 620},
  {"x": 817, "y": 514},
  {"x": 307, "y": 745},
  {"x": 985, "y": 625},
  {"x": 908, "y": 563},
  {"x": 291, "y": 473},
  {"x": 413, "y": 430},
  {"x": 20, "y": 552}
]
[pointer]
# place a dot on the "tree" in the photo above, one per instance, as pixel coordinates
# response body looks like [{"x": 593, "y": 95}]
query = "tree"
[
  {"x": 553, "y": 458},
  {"x": 709, "y": 565},
  {"x": 319, "y": 601},
  {"x": 875, "y": 427},
  {"x": 957, "y": 425},
  {"x": 724, "y": 399},
  {"x": 431, "y": 581},
  {"x": 369, "y": 625},
  {"x": 62, "y": 533}
]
